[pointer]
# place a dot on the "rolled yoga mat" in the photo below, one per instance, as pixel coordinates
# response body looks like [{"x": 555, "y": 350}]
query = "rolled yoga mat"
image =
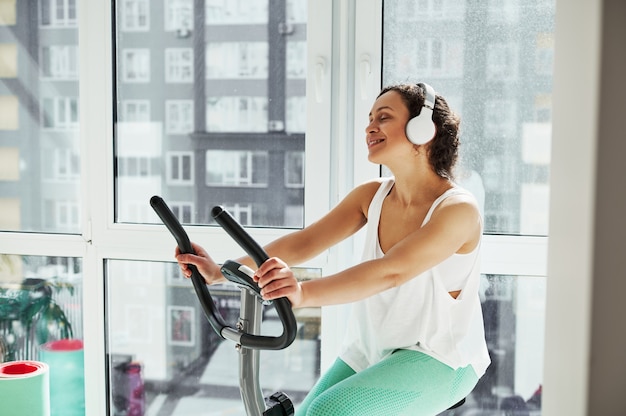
[
  {"x": 24, "y": 388},
  {"x": 65, "y": 358}
]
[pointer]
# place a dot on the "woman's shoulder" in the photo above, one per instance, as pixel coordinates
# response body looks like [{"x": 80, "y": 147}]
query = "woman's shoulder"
[
  {"x": 375, "y": 184},
  {"x": 366, "y": 190},
  {"x": 364, "y": 193}
]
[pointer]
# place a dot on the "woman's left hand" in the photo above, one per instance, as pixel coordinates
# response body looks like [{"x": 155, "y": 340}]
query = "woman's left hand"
[{"x": 276, "y": 280}]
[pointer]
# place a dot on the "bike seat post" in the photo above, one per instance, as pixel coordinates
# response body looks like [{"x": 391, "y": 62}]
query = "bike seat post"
[{"x": 250, "y": 318}]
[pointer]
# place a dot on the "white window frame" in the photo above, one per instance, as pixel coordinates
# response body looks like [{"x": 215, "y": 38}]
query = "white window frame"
[{"x": 353, "y": 88}]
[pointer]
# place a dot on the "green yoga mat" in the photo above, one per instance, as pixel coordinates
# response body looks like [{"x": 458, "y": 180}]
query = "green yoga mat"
[{"x": 24, "y": 388}]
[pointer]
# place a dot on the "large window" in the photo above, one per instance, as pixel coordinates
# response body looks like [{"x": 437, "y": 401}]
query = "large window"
[
  {"x": 258, "y": 106},
  {"x": 475, "y": 57},
  {"x": 231, "y": 79}
]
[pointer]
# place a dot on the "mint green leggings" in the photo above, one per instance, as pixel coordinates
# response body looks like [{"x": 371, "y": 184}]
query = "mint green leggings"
[{"x": 405, "y": 383}]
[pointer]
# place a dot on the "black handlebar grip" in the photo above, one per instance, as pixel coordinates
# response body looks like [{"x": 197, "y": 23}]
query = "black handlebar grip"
[
  {"x": 282, "y": 305},
  {"x": 184, "y": 244},
  {"x": 256, "y": 252}
]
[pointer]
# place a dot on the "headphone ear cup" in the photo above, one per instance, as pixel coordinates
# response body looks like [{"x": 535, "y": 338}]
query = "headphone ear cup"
[{"x": 421, "y": 129}]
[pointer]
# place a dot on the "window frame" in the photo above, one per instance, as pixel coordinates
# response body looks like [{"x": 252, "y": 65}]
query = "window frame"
[{"x": 101, "y": 238}]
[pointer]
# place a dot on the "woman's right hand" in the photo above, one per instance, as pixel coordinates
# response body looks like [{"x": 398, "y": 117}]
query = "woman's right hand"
[{"x": 207, "y": 268}]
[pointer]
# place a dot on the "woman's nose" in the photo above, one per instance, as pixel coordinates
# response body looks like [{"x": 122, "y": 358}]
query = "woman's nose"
[{"x": 371, "y": 127}]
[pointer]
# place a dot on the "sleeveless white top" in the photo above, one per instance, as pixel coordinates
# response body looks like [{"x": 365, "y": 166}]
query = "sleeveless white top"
[{"x": 420, "y": 315}]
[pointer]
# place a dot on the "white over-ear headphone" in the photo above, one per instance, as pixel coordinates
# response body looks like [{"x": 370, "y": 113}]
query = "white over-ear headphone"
[{"x": 421, "y": 129}]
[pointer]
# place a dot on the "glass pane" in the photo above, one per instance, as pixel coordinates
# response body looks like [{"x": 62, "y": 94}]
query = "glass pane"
[
  {"x": 41, "y": 319},
  {"x": 514, "y": 310},
  {"x": 39, "y": 140},
  {"x": 199, "y": 84},
  {"x": 492, "y": 61},
  {"x": 164, "y": 357}
]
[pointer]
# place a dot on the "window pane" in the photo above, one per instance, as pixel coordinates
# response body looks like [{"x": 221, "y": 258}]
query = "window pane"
[
  {"x": 39, "y": 140},
  {"x": 212, "y": 77},
  {"x": 158, "y": 338},
  {"x": 513, "y": 310},
  {"x": 41, "y": 319},
  {"x": 492, "y": 61}
]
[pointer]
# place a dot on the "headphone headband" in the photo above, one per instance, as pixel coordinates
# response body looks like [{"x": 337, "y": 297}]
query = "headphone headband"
[{"x": 429, "y": 96}]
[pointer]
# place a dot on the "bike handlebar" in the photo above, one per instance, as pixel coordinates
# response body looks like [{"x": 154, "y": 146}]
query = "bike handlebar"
[{"x": 256, "y": 252}]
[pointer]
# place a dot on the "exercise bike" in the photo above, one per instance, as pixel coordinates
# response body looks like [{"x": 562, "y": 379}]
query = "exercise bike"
[{"x": 246, "y": 333}]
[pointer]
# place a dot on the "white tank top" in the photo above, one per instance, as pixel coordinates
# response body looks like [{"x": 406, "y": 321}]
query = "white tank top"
[{"x": 420, "y": 314}]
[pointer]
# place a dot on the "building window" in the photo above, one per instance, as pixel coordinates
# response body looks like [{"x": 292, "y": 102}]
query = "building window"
[
  {"x": 294, "y": 169},
  {"x": 180, "y": 168},
  {"x": 61, "y": 164},
  {"x": 237, "y": 114},
  {"x": 136, "y": 65},
  {"x": 179, "y": 116},
  {"x": 296, "y": 60},
  {"x": 502, "y": 62},
  {"x": 544, "y": 54},
  {"x": 240, "y": 212},
  {"x": 183, "y": 211},
  {"x": 178, "y": 15},
  {"x": 236, "y": 11},
  {"x": 500, "y": 118},
  {"x": 62, "y": 216},
  {"x": 237, "y": 168},
  {"x": 135, "y": 15},
  {"x": 295, "y": 114},
  {"x": 134, "y": 166},
  {"x": 135, "y": 110},
  {"x": 237, "y": 60},
  {"x": 60, "y": 113},
  {"x": 504, "y": 11},
  {"x": 179, "y": 65},
  {"x": 59, "y": 62},
  {"x": 57, "y": 13}
]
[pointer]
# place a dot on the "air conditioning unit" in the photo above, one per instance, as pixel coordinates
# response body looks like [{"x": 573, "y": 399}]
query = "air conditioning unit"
[
  {"x": 183, "y": 32},
  {"x": 276, "y": 125}
]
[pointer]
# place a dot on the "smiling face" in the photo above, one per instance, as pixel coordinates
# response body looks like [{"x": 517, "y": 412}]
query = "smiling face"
[{"x": 385, "y": 133}]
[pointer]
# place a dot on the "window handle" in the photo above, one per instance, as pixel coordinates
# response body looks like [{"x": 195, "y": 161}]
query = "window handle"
[{"x": 320, "y": 69}]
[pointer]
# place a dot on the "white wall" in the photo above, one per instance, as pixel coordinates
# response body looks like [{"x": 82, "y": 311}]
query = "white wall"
[{"x": 585, "y": 352}]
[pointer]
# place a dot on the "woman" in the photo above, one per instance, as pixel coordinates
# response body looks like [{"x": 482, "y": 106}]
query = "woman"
[{"x": 415, "y": 344}]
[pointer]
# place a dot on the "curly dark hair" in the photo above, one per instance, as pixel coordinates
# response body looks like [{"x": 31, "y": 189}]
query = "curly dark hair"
[{"x": 444, "y": 148}]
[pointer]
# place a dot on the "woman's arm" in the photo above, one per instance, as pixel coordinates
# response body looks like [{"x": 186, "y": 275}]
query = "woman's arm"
[
  {"x": 454, "y": 227},
  {"x": 341, "y": 222},
  {"x": 345, "y": 219}
]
